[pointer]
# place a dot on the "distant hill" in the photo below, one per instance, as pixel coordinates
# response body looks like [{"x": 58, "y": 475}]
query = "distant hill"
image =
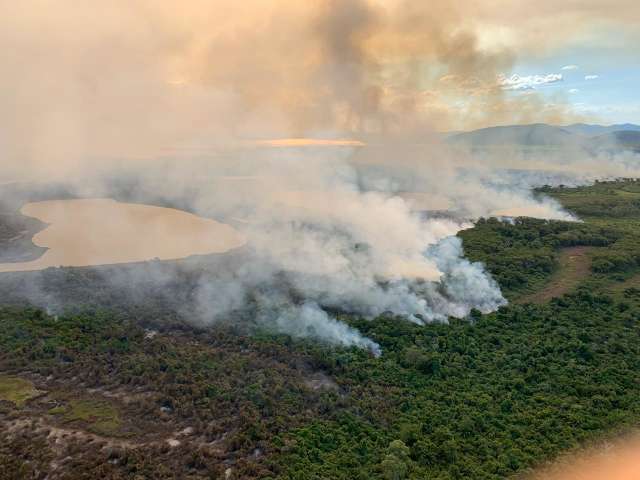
[
  {"x": 538, "y": 134},
  {"x": 625, "y": 140},
  {"x": 588, "y": 137},
  {"x": 588, "y": 130}
]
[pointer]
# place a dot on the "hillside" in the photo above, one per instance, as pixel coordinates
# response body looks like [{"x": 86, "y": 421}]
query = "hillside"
[
  {"x": 525, "y": 135},
  {"x": 587, "y": 137},
  {"x": 591, "y": 130},
  {"x": 627, "y": 140},
  {"x": 119, "y": 387}
]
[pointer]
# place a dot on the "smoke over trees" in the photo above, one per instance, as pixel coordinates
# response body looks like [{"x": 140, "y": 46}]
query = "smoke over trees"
[{"x": 170, "y": 98}]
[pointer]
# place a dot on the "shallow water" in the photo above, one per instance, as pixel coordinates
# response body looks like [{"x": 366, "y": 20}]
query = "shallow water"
[{"x": 87, "y": 232}]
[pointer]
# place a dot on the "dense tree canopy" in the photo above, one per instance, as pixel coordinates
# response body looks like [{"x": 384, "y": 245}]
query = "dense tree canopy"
[{"x": 484, "y": 397}]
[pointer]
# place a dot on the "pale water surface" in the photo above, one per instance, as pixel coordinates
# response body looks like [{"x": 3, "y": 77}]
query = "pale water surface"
[{"x": 88, "y": 232}]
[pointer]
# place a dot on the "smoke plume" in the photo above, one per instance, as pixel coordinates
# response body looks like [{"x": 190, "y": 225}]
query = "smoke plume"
[{"x": 194, "y": 104}]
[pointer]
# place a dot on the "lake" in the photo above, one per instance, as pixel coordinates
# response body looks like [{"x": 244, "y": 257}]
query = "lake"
[{"x": 86, "y": 232}]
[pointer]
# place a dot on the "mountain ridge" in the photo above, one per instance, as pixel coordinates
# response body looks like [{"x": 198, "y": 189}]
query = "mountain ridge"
[{"x": 619, "y": 136}]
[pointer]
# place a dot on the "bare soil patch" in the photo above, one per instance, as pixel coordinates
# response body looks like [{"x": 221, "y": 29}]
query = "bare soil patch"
[{"x": 575, "y": 265}]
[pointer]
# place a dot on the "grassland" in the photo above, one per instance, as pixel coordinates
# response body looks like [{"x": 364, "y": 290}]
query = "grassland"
[
  {"x": 100, "y": 417},
  {"x": 16, "y": 390}
]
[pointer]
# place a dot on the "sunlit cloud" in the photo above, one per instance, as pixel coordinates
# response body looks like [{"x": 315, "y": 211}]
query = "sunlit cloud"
[
  {"x": 529, "y": 82},
  {"x": 310, "y": 142},
  {"x": 570, "y": 67},
  {"x": 591, "y": 77}
]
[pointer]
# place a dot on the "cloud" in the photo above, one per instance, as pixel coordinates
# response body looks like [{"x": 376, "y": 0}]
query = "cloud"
[
  {"x": 570, "y": 67},
  {"x": 198, "y": 79},
  {"x": 531, "y": 27},
  {"x": 574, "y": 90},
  {"x": 591, "y": 77},
  {"x": 529, "y": 82}
]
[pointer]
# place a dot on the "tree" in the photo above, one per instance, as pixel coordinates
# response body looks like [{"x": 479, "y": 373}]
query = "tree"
[{"x": 395, "y": 464}]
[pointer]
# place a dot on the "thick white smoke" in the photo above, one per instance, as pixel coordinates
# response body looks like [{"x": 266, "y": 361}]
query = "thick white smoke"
[
  {"x": 172, "y": 101},
  {"x": 319, "y": 242}
]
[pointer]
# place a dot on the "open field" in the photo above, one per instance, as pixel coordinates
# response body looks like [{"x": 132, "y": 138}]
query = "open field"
[
  {"x": 16, "y": 390},
  {"x": 574, "y": 264}
]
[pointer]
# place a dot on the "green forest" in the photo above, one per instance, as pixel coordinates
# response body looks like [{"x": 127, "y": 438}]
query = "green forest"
[{"x": 491, "y": 396}]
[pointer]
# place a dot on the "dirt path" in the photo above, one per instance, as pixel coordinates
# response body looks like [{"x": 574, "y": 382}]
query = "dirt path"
[{"x": 575, "y": 264}]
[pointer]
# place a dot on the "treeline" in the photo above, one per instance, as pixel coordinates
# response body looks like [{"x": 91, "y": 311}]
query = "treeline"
[
  {"x": 522, "y": 253},
  {"x": 603, "y": 200}
]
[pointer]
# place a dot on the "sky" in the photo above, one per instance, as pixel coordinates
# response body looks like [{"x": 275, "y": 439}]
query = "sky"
[
  {"x": 598, "y": 82},
  {"x": 596, "y": 71},
  {"x": 133, "y": 78}
]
